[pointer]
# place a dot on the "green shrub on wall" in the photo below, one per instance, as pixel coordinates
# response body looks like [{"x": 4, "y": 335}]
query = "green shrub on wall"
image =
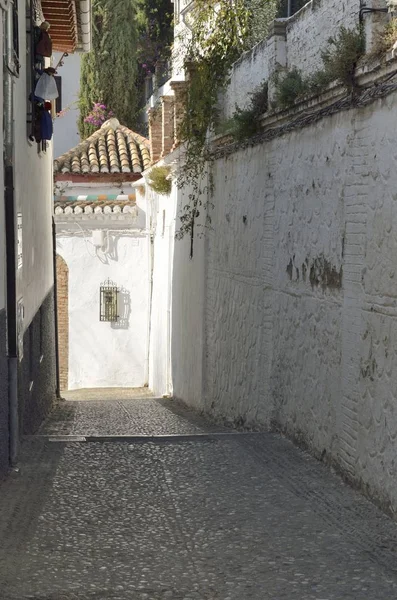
[
  {"x": 339, "y": 59},
  {"x": 246, "y": 122},
  {"x": 160, "y": 180}
]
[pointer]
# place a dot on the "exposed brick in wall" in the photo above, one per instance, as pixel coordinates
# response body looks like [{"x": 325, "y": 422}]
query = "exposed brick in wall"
[
  {"x": 180, "y": 89},
  {"x": 167, "y": 104},
  {"x": 155, "y": 133},
  {"x": 63, "y": 320}
]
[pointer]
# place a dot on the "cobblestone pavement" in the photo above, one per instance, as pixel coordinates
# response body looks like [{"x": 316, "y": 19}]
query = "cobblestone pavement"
[
  {"x": 122, "y": 412},
  {"x": 212, "y": 517}
]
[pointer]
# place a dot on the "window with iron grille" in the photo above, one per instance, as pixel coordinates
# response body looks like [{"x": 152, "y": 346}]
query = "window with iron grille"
[{"x": 108, "y": 301}]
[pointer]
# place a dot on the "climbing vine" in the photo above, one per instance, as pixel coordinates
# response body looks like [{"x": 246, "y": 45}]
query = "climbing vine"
[{"x": 219, "y": 35}]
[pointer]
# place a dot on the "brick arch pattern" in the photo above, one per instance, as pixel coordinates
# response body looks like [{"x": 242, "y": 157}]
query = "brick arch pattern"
[{"x": 63, "y": 320}]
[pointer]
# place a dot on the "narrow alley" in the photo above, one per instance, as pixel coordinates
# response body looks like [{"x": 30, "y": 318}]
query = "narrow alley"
[{"x": 133, "y": 497}]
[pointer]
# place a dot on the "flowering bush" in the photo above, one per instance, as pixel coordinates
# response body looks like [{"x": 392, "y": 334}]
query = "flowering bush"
[{"x": 99, "y": 114}]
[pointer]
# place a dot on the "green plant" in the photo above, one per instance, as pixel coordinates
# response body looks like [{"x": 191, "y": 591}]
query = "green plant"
[
  {"x": 385, "y": 39},
  {"x": 289, "y": 87},
  {"x": 245, "y": 122},
  {"x": 108, "y": 72},
  {"x": 262, "y": 14},
  {"x": 342, "y": 55},
  {"x": 219, "y": 34},
  {"x": 159, "y": 179},
  {"x": 339, "y": 59}
]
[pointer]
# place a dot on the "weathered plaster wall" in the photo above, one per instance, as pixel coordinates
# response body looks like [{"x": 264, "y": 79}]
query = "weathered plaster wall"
[
  {"x": 301, "y": 295},
  {"x": 4, "y": 412},
  {"x": 33, "y": 198},
  {"x": 163, "y": 227},
  {"x": 188, "y": 310},
  {"x": 4, "y": 441},
  {"x": 309, "y": 30},
  {"x": 301, "y": 47},
  {"x": 295, "y": 281},
  {"x": 249, "y": 72},
  {"x": 2, "y": 223},
  {"x": 62, "y": 289},
  {"x": 104, "y": 354},
  {"x": 178, "y": 303}
]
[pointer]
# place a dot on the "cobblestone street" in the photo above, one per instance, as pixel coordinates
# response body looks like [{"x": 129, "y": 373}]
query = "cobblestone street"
[{"x": 199, "y": 514}]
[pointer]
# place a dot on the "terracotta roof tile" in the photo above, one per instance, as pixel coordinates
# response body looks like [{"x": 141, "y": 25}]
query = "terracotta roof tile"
[
  {"x": 112, "y": 149},
  {"x": 122, "y": 204}
]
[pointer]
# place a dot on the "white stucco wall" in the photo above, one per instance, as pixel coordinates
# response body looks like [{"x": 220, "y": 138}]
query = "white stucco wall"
[
  {"x": 300, "y": 292},
  {"x": 66, "y": 134},
  {"x": 2, "y": 225},
  {"x": 33, "y": 194},
  {"x": 247, "y": 74},
  {"x": 306, "y": 37},
  {"x": 287, "y": 316},
  {"x": 163, "y": 227},
  {"x": 308, "y": 30},
  {"x": 178, "y": 303},
  {"x": 103, "y": 354}
]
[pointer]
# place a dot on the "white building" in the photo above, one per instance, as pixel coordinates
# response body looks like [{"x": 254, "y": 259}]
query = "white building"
[
  {"x": 28, "y": 373},
  {"x": 103, "y": 262}
]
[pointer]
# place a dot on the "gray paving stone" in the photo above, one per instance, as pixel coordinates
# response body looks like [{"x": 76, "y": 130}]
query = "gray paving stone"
[
  {"x": 123, "y": 412},
  {"x": 244, "y": 517}
]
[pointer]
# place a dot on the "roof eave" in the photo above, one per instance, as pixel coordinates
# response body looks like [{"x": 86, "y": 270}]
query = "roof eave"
[{"x": 71, "y": 22}]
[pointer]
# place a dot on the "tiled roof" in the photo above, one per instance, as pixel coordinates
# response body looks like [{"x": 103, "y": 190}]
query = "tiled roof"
[
  {"x": 112, "y": 149},
  {"x": 88, "y": 207}
]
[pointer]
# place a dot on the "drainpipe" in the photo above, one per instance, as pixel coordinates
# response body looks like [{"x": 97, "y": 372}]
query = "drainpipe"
[
  {"x": 85, "y": 24},
  {"x": 54, "y": 255},
  {"x": 149, "y": 300},
  {"x": 8, "y": 84},
  {"x": 169, "y": 306}
]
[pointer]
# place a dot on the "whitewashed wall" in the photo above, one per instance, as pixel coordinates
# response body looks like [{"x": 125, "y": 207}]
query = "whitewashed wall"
[
  {"x": 33, "y": 194},
  {"x": 163, "y": 227},
  {"x": 188, "y": 313},
  {"x": 306, "y": 37},
  {"x": 297, "y": 277},
  {"x": 178, "y": 300},
  {"x": 301, "y": 306},
  {"x": 309, "y": 29},
  {"x": 2, "y": 224},
  {"x": 66, "y": 134},
  {"x": 103, "y": 354}
]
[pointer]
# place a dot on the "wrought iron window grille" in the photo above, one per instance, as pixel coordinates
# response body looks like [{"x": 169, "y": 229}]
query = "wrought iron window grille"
[{"x": 108, "y": 302}]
